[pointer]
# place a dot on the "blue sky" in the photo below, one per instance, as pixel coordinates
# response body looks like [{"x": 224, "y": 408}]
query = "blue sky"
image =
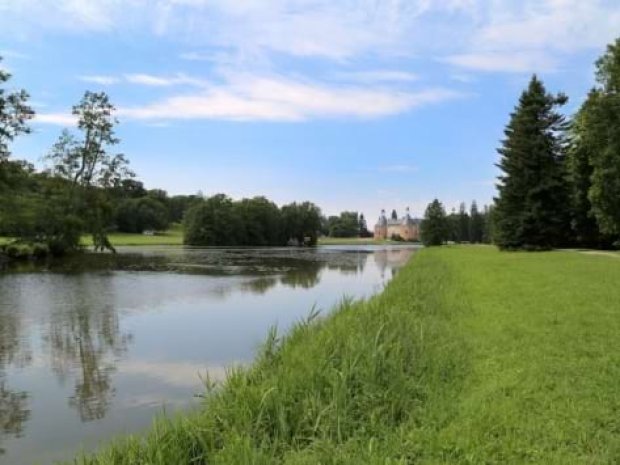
[{"x": 353, "y": 104}]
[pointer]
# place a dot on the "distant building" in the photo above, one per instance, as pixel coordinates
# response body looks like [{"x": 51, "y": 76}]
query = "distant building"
[{"x": 407, "y": 228}]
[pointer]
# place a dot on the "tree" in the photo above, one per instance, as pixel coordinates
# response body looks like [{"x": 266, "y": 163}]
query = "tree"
[
  {"x": 346, "y": 225},
  {"x": 139, "y": 215},
  {"x": 585, "y": 142},
  {"x": 363, "y": 227},
  {"x": 463, "y": 224},
  {"x": 394, "y": 215},
  {"x": 531, "y": 208},
  {"x": 90, "y": 169},
  {"x": 435, "y": 228},
  {"x": 301, "y": 222},
  {"x": 600, "y": 133},
  {"x": 14, "y": 115},
  {"x": 262, "y": 221},
  {"x": 214, "y": 222},
  {"x": 476, "y": 224}
]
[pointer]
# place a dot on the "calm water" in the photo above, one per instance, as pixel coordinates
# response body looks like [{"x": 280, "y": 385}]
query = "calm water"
[{"x": 90, "y": 351}]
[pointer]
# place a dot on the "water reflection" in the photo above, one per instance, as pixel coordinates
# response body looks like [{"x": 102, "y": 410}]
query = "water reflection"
[
  {"x": 14, "y": 409},
  {"x": 82, "y": 320}
]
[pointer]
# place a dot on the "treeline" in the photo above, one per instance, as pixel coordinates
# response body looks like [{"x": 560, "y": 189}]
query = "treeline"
[
  {"x": 347, "y": 224},
  {"x": 86, "y": 189},
  {"x": 560, "y": 182},
  {"x": 221, "y": 221},
  {"x": 560, "y": 177},
  {"x": 464, "y": 226}
]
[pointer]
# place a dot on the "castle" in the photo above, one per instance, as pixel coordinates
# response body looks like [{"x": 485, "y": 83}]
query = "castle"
[{"x": 407, "y": 228}]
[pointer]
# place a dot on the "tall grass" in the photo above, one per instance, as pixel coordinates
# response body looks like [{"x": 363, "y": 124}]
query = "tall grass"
[
  {"x": 469, "y": 356},
  {"x": 341, "y": 389}
]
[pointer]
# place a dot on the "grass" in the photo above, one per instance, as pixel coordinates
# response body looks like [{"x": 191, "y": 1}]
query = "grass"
[
  {"x": 469, "y": 356},
  {"x": 173, "y": 236}
]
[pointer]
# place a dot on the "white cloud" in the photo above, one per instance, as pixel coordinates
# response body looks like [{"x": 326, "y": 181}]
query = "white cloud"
[
  {"x": 246, "y": 97},
  {"x": 504, "y": 62},
  {"x": 162, "y": 81},
  {"x": 101, "y": 80},
  {"x": 58, "y": 119},
  {"x": 377, "y": 76}
]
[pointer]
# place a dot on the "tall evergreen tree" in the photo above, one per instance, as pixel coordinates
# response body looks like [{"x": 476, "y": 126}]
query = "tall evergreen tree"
[
  {"x": 435, "y": 228},
  {"x": 463, "y": 224},
  {"x": 394, "y": 215},
  {"x": 601, "y": 133},
  {"x": 476, "y": 224},
  {"x": 531, "y": 208}
]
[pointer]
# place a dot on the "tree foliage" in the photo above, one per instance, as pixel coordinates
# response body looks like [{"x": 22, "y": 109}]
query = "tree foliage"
[
  {"x": 598, "y": 141},
  {"x": 14, "y": 115},
  {"x": 531, "y": 208},
  {"x": 435, "y": 228}
]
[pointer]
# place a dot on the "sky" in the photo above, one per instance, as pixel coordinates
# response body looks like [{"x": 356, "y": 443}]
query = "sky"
[{"x": 352, "y": 104}]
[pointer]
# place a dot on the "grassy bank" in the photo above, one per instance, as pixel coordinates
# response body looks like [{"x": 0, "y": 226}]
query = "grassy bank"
[{"x": 469, "y": 356}]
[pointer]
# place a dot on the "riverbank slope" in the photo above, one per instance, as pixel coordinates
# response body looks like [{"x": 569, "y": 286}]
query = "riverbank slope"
[{"x": 468, "y": 356}]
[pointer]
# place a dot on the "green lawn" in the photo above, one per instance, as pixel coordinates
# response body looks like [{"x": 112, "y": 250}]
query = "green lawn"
[
  {"x": 469, "y": 356},
  {"x": 173, "y": 236}
]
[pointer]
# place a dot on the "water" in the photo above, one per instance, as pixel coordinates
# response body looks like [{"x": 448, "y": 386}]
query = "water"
[{"x": 95, "y": 347}]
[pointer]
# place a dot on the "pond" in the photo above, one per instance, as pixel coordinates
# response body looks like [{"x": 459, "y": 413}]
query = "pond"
[{"x": 96, "y": 346}]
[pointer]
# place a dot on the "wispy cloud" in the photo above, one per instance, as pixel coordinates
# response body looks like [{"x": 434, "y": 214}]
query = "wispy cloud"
[
  {"x": 163, "y": 81},
  {"x": 252, "y": 98},
  {"x": 58, "y": 119},
  {"x": 376, "y": 76},
  {"x": 518, "y": 62},
  {"x": 99, "y": 79}
]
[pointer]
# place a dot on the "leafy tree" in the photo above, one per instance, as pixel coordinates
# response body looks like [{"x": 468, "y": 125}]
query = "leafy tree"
[
  {"x": 139, "y": 215},
  {"x": 584, "y": 143},
  {"x": 262, "y": 220},
  {"x": 301, "y": 222},
  {"x": 89, "y": 167},
  {"x": 14, "y": 115},
  {"x": 346, "y": 225},
  {"x": 533, "y": 194},
  {"x": 178, "y": 205},
  {"x": 214, "y": 221},
  {"x": 598, "y": 126},
  {"x": 476, "y": 224},
  {"x": 435, "y": 227}
]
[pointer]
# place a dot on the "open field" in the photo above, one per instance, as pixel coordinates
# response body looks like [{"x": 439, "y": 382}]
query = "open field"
[
  {"x": 469, "y": 356},
  {"x": 173, "y": 236}
]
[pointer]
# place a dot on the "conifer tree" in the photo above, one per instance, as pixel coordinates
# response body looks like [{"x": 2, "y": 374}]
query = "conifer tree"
[
  {"x": 463, "y": 224},
  {"x": 435, "y": 228},
  {"x": 476, "y": 224},
  {"x": 531, "y": 208}
]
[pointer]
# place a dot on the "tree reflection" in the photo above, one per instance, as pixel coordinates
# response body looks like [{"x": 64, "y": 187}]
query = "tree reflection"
[
  {"x": 305, "y": 276},
  {"x": 14, "y": 408},
  {"x": 85, "y": 338}
]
